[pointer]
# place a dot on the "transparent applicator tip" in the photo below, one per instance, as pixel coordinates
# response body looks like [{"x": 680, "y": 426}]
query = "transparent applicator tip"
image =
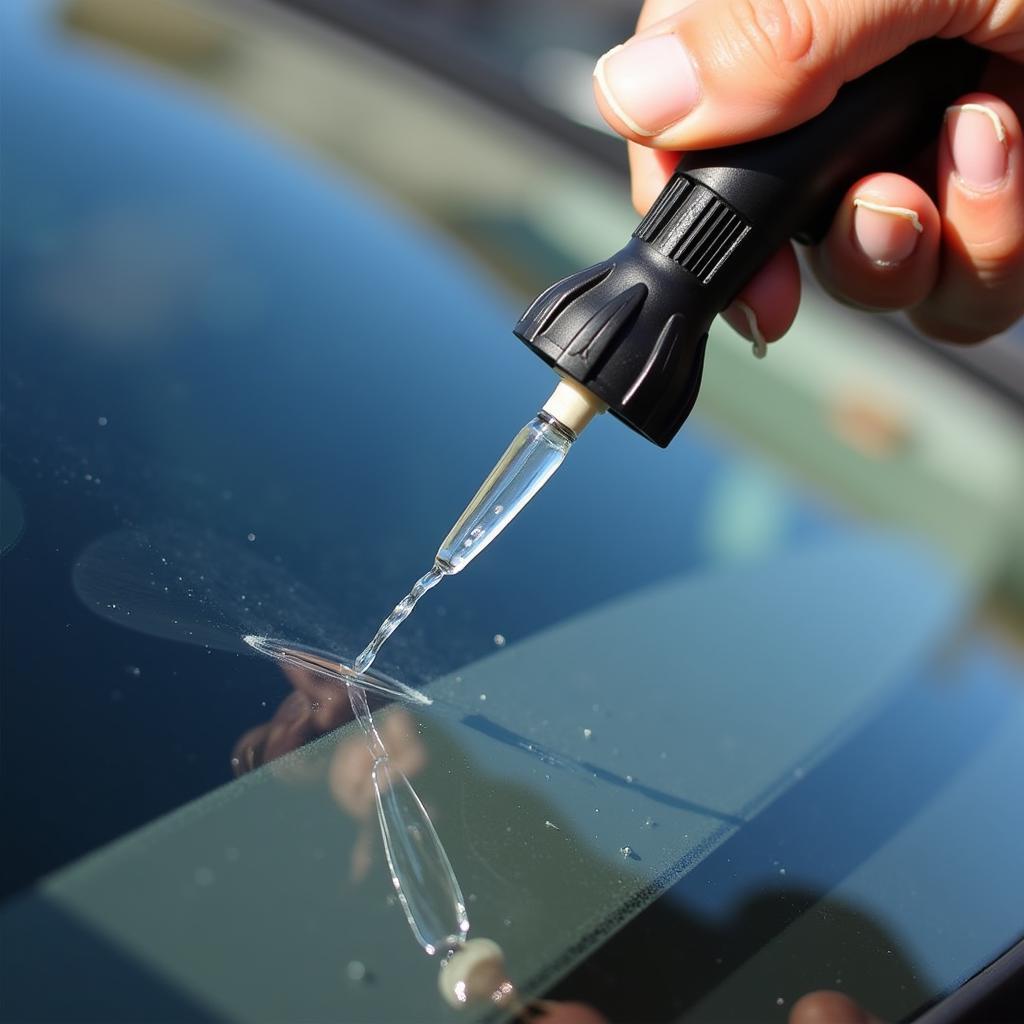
[{"x": 535, "y": 453}]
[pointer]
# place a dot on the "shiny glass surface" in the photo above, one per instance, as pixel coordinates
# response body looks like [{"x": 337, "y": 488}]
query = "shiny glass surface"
[{"x": 779, "y": 663}]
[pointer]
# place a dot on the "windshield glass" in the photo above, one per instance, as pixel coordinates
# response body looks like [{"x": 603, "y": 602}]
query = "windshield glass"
[{"x": 256, "y": 359}]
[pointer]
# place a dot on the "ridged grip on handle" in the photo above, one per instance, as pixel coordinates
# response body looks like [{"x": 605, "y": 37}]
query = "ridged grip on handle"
[{"x": 633, "y": 328}]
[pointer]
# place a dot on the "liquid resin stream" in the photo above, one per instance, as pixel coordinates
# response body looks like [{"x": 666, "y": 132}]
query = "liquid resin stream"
[
  {"x": 421, "y": 872},
  {"x": 401, "y": 612},
  {"x": 527, "y": 464},
  {"x": 331, "y": 666}
]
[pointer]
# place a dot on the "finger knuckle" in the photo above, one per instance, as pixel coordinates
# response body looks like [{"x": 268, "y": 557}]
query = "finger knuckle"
[
  {"x": 994, "y": 24},
  {"x": 940, "y": 328},
  {"x": 958, "y": 329},
  {"x": 998, "y": 262},
  {"x": 958, "y": 334},
  {"x": 781, "y": 32}
]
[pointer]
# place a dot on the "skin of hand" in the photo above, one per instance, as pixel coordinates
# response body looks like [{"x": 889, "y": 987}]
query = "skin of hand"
[{"x": 944, "y": 241}]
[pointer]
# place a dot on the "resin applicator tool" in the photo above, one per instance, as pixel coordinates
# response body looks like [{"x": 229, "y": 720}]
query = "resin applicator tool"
[
  {"x": 631, "y": 330},
  {"x": 628, "y": 334}
]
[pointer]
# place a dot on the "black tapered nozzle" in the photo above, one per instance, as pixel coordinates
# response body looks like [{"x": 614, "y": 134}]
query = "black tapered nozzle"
[
  {"x": 623, "y": 329},
  {"x": 633, "y": 328}
]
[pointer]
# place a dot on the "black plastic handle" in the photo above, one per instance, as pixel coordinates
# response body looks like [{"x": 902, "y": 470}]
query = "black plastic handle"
[
  {"x": 633, "y": 328},
  {"x": 790, "y": 184}
]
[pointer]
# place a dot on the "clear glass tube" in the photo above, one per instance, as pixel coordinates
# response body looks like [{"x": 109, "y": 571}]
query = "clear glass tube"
[{"x": 529, "y": 461}]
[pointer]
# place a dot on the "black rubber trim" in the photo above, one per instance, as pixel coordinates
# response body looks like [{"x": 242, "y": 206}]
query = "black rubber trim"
[{"x": 993, "y": 995}]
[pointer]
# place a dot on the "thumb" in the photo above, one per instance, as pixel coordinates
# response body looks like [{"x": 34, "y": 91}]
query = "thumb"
[{"x": 724, "y": 71}]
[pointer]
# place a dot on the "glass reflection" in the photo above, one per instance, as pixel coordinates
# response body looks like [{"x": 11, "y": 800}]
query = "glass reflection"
[
  {"x": 325, "y": 664},
  {"x": 421, "y": 872}
]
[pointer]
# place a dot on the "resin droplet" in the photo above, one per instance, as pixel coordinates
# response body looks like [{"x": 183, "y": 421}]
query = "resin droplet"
[{"x": 475, "y": 974}]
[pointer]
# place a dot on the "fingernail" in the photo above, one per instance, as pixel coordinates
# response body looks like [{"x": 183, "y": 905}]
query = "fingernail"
[
  {"x": 977, "y": 141},
  {"x": 650, "y": 82},
  {"x": 887, "y": 235},
  {"x": 757, "y": 340}
]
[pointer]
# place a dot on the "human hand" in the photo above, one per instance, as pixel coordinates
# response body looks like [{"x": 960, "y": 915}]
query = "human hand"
[{"x": 948, "y": 248}]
